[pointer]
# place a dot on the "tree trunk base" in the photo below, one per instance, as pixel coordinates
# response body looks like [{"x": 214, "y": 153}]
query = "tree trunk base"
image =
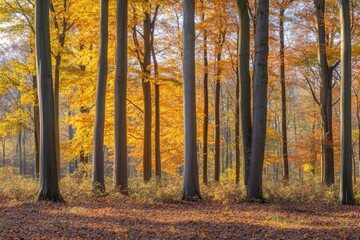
[{"x": 53, "y": 197}]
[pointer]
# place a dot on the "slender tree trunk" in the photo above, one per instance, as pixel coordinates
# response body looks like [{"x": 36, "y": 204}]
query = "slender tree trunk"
[
  {"x": 48, "y": 184},
  {"x": 3, "y": 142},
  {"x": 157, "y": 104},
  {"x": 24, "y": 151},
  {"x": 217, "y": 118},
  {"x": 260, "y": 100},
  {"x": 346, "y": 189},
  {"x": 57, "y": 108},
  {"x": 283, "y": 96},
  {"x": 191, "y": 189},
  {"x": 325, "y": 97},
  {"x": 245, "y": 87},
  {"x": 37, "y": 127},
  {"x": 121, "y": 155},
  {"x": 20, "y": 152},
  {"x": 206, "y": 102},
  {"x": 98, "y": 154},
  {"x": 146, "y": 85}
]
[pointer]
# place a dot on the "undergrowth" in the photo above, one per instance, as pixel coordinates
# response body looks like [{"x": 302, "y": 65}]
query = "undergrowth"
[{"x": 77, "y": 186}]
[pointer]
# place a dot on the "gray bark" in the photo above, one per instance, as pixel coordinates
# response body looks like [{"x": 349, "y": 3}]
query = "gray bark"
[
  {"x": 325, "y": 97},
  {"x": 98, "y": 153},
  {"x": 206, "y": 102},
  {"x": 346, "y": 189},
  {"x": 245, "y": 88},
  {"x": 121, "y": 155},
  {"x": 48, "y": 184},
  {"x": 191, "y": 189},
  {"x": 146, "y": 85},
  {"x": 260, "y": 101},
  {"x": 283, "y": 95},
  {"x": 37, "y": 128}
]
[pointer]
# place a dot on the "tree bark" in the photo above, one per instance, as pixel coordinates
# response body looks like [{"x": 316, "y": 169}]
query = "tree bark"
[
  {"x": 191, "y": 189},
  {"x": 121, "y": 155},
  {"x": 206, "y": 101},
  {"x": 98, "y": 154},
  {"x": 48, "y": 184},
  {"x": 37, "y": 128},
  {"x": 260, "y": 101},
  {"x": 245, "y": 87},
  {"x": 346, "y": 189},
  {"x": 283, "y": 96},
  {"x": 3, "y": 144},
  {"x": 325, "y": 97},
  {"x": 146, "y": 85}
]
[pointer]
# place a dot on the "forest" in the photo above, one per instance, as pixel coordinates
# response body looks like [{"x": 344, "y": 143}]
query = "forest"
[{"x": 179, "y": 119}]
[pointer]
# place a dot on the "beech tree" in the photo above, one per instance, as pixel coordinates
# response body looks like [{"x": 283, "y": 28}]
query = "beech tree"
[
  {"x": 191, "y": 189},
  {"x": 48, "y": 182},
  {"x": 260, "y": 80},
  {"x": 120, "y": 151},
  {"x": 326, "y": 76},
  {"x": 346, "y": 190},
  {"x": 98, "y": 154},
  {"x": 245, "y": 89}
]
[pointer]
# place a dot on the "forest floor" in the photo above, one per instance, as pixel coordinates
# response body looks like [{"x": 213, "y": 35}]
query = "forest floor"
[{"x": 109, "y": 218}]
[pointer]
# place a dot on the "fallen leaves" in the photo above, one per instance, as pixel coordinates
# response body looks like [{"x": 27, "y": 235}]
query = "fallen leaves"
[{"x": 127, "y": 219}]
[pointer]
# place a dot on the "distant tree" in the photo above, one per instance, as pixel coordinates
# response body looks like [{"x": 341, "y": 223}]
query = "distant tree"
[
  {"x": 346, "y": 190},
  {"x": 98, "y": 154},
  {"x": 260, "y": 101},
  {"x": 48, "y": 184},
  {"x": 121, "y": 156},
  {"x": 191, "y": 189},
  {"x": 283, "y": 6}
]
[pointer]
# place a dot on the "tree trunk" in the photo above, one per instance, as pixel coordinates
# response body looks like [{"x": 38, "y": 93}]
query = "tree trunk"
[
  {"x": 325, "y": 97},
  {"x": 217, "y": 118},
  {"x": 48, "y": 184},
  {"x": 57, "y": 107},
  {"x": 24, "y": 151},
  {"x": 260, "y": 101},
  {"x": 191, "y": 189},
  {"x": 283, "y": 96},
  {"x": 346, "y": 189},
  {"x": 121, "y": 155},
  {"x": 3, "y": 142},
  {"x": 157, "y": 102},
  {"x": 20, "y": 152},
  {"x": 245, "y": 87},
  {"x": 146, "y": 85},
  {"x": 98, "y": 154},
  {"x": 206, "y": 102},
  {"x": 37, "y": 127}
]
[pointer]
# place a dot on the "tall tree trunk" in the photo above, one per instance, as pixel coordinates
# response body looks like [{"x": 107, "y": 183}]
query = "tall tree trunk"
[
  {"x": 245, "y": 87},
  {"x": 57, "y": 108},
  {"x": 37, "y": 127},
  {"x": 157, "y": 100},
  {"x": 24, "y": 151},
  {"x": 19, "y": 148},
  {"x": 206, "y": 101},
  {"x": 217, "y": 118},
  {"x": 98, "y": 154},
  {"x": 260, "y": 100},
  {"x": 191, "y": 189},
  {"x": 146, "y": 85},
  {"x": 121, "y": 155},
  {"x": 48, "y": 184},
  {"x": 325, "y": 97},
  {"x": 346, "y": 190},
  {"x": 283, "y": 96}
]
